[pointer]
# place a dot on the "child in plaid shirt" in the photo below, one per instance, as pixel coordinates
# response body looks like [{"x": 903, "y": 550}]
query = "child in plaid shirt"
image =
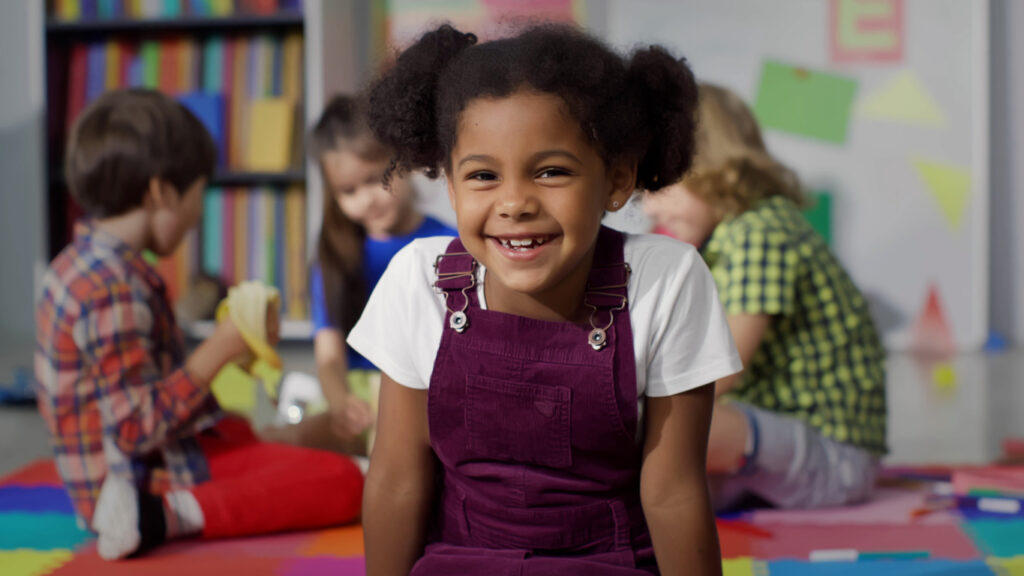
[
  {"x": 139, "y": 439},
  {"x": 804, "y": 424}
]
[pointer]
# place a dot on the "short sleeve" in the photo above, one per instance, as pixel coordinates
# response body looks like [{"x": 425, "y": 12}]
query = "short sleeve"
[
  {"x": 686, "y": 334},
  {"x": 400, "y": 328},
  {"x": 757, "y": 272}
]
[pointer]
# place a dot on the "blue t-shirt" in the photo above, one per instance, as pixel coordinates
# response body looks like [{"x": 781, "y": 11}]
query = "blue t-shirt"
[{"x": 376, "y": 256}]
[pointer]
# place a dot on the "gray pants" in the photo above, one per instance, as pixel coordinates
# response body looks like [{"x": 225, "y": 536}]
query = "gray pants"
[{"x": 795, "y": 466}]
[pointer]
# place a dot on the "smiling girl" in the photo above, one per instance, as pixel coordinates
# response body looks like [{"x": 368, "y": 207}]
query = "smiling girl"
[{"x": 545, "y": 398}]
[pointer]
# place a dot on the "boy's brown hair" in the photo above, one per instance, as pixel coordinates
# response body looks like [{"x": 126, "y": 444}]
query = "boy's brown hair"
[
  {"x": 733, "y": 169},
  {"x": 127, "y": 137}
]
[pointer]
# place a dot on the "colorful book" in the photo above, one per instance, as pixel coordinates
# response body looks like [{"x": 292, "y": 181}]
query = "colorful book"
[
  {"x": 270, "y": 124},
  {"x": 257, "y": 232},
  {"x": 69, "y": 10},
  {"x": 151, "y": 58},
  {"x": 171, "y": 9},
  {"x": 241, "y": 213},
  {"x": 113, "y": 66},
  {"x": 106, "y": 9},
  {"x": 213, "y": 64},
  {"x": 213, "y": 216},
  {"x": 291, "y": 68},
  {"x": 295, "y": 227},
  {"x": 78, "y": 76},
  {"x": 221, "y": 7},
  {"x": 96, "y": 78},
  {"x": 239, "y": 102},
  {"x": 170, "y": 67},
  {"x": 280, "y": 272},
  {"x": 129, "y": 63},
  {"x": 228, "y": 238},
  {"x": 209, "y": 109}
]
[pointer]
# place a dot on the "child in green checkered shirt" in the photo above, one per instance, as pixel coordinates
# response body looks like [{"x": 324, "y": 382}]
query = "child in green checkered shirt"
[{"x": 804, "y": 424}]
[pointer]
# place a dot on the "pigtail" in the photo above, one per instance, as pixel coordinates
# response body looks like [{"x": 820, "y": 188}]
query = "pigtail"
[
  {"x": 667, "y": 94},
  {"x": 403, "y": 101}
]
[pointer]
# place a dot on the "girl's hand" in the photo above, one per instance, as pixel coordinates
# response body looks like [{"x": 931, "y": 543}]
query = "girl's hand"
[{"x": 350, "y": 416}]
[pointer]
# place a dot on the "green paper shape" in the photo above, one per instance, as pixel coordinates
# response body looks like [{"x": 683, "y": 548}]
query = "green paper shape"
[
  {"x": 819, "y": 214},
  {"x": 40, "y": 532},
  {"x": 805, "y": 102}
]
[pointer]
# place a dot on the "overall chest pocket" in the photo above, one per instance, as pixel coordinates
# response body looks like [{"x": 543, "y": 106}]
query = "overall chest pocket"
[{"x": 518, "y": 421}]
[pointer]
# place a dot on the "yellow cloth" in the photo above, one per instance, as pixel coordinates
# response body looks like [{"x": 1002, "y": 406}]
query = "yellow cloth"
[{"x": 247, "y": 305}]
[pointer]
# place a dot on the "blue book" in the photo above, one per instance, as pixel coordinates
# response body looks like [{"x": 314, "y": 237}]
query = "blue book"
[
  {"x": 213, "y": 219},
  {"x": 135, "y": 73},
  {"x": 198, "y": 8},
  {"x": 96, "y": 77},
  {"x": 209, "y": 108},
  {"x": 89, "y": 10}
]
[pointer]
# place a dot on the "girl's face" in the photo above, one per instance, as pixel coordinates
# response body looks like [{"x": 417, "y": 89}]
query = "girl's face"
[
  {"x": 681, "y": 213},
  {"x": 529, "y": 192},
  {"x": 358, "y": 188}
]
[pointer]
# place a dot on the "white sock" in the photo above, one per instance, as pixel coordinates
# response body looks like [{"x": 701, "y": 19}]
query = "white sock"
[
  {"x": 116, "y": 519},
  {"x": 183, "y": 515}
]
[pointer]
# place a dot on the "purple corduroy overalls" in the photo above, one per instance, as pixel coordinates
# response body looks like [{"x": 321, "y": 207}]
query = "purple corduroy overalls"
[{"x": 536, "y": 434}]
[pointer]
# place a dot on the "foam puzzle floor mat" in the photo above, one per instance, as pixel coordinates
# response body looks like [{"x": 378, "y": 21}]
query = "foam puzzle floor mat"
[{"x": 39, "y": 536}]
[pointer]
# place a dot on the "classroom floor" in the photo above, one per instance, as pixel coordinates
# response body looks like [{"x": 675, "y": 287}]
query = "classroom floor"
[{"x": 958, "y": 414}]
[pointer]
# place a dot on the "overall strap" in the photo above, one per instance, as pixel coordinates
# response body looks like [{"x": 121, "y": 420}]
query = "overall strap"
[{"x": 456, "y": 278}]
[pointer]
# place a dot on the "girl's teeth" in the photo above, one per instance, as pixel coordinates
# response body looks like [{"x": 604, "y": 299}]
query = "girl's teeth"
[{"x": 522, "y": 244}]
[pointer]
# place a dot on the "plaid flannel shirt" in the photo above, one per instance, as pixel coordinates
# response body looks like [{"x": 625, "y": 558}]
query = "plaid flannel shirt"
[{"x": 109, "y": 363}]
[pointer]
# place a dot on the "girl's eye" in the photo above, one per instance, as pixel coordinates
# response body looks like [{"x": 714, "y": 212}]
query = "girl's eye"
[
  {"x": 482, "y": 176},
  {"x": 552, "y": 173}
]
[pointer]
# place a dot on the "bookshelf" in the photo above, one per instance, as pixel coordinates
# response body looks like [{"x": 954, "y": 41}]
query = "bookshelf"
[{"x": 263, "y": 189}]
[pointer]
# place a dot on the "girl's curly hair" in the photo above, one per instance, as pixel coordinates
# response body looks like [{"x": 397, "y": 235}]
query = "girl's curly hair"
[{"x": 639, "y": 109}]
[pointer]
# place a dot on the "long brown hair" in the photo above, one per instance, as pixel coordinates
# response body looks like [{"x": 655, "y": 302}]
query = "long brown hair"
[
  {"x": 343, "y": 126},
  {"x": 732, "y": 169}
]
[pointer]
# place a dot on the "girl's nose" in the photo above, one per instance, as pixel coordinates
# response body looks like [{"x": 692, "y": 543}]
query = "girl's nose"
[{"x": 517, "y": 201}]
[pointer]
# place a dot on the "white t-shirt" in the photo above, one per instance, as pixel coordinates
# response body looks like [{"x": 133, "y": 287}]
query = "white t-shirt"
[{"x": 680, "y": 336}]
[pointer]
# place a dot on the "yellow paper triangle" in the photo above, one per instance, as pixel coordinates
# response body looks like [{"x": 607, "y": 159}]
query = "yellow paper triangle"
[
  {"x": 738, "y": 567},
  {"x": 903, "y": 99},
  {"x": 1007, "y": 566},
  {"x": 24, "y": 562},
  {"x": 949, "y": 186}
]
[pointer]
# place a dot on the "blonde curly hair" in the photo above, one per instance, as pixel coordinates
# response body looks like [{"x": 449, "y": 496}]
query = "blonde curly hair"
[{"x": 732, "y": 169}]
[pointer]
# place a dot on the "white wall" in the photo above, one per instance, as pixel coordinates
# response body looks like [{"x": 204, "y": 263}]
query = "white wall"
[
  {"x": 22, "y": 141},
  {"x": 1007, "y": 150}
]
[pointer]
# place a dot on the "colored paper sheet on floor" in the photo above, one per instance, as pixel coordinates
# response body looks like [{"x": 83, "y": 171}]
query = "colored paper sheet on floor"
[
  {"x": 42, "y": 472},
  {"x": 40, "y": 531},
  {"x": 905, "y": 100},
  {"x": 798, "y": 541},
  {"x": 325, "y": 566},
  {"x": 90, "y": 564},
  {"x": 995, "y": 537},
  {"x": 1007, "y": 566},
  {"x": 342, "y": 542},
  {"x": 805, "y": 102},
  {"x": 879, "y": 568},
  {"x": 1007, "y": 480},
  {"x": 35, "y": 499},
  {"x": 888, "y": 506},
  {"x": 739, "y": 567},
  {"x": 271, "y": 546},
  {"x": 32, "y": 562}
]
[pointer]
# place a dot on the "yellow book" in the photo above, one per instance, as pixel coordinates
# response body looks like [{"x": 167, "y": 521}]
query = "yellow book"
[
  {"x": 134, "y": 8},
  {"x": 220, "y": 7},
  {"x": 270, "y": 134},
  {"x": 69, "y": 10},
  {"x": 113, "y": 81},
  {"x": 291, "y": 72},
  {"x": 295, "y": 253}
]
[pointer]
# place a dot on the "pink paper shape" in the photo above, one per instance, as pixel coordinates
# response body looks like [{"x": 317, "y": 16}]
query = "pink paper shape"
[
  {"x": 797, "y": 542},
  {"x": 325, "y": 566}
]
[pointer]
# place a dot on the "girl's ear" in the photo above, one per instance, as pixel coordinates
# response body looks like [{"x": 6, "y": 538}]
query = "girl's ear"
[
  {"x": 154, "y": 198},
  {"x": 622, "y": 181}
]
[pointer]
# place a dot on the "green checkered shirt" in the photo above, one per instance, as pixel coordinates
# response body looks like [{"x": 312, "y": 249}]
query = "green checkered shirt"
[{"x": 821, "y": 360}]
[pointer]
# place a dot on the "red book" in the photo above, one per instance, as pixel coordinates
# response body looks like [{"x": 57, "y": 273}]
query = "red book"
[
  {"x": 129, "y": 55},
  {"x": 227, "y": 79},
  {"x": 79, "y": 76},
  {"x": 170, "y": 68}
]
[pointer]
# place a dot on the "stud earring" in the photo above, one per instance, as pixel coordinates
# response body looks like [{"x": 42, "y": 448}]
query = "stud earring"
[{"x": 615, "y": 204}]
